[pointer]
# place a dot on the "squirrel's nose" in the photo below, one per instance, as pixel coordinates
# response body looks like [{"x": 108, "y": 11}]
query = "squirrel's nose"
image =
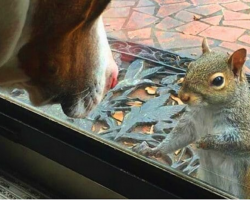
[{"x": 185, "y": 97}]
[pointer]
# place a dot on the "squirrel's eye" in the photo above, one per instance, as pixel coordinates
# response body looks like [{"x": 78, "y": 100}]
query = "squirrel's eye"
[{"x": 218, "y": 81}]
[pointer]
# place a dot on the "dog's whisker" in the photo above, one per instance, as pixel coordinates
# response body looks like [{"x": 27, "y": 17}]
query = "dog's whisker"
[
  {"x": 90, "y": 103},
  {"x": 82, "y": 92},
  {"x": 47, "y": 101},
  {"x": 82, "y": 98}
]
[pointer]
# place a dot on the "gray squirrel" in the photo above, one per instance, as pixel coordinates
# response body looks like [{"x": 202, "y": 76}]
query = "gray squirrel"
[{"x": 217, "y": 120}]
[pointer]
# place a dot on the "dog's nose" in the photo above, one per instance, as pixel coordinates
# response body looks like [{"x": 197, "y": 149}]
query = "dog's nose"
[
  {"x": 184, "y": 97},
  {"x": 114, "y": 82}
]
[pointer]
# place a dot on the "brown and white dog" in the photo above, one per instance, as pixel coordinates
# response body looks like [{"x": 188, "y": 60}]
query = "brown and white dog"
[{"x": 57, "y": 51}]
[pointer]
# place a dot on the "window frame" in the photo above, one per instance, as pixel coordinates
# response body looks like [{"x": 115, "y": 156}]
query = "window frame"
[{"x": 120, "y": 171}]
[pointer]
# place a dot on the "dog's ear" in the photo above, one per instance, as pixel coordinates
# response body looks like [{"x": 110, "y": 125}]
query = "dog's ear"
[
  {"x": 12, "y": 75},
  {"x": 96, "y": 9},
  {"x": 89, "y": 11}
]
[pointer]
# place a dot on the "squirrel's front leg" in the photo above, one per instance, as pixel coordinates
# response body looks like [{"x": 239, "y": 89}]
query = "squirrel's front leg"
[
  {"x": 182, "y": 135},
  {"x": 228, "y": 142}
]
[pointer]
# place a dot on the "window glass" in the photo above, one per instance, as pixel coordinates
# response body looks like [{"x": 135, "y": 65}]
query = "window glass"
[{"x": 153, "y": 42}]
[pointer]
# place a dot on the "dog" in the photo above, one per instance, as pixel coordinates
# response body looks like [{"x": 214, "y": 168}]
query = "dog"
[{"x": 57, "y": 51}]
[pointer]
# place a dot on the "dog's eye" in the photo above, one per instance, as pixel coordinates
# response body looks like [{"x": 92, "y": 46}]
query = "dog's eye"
[{"x": 218, "y": 81}]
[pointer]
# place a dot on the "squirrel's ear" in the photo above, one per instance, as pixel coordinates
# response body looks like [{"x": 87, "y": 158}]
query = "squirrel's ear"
[
  {"x": 205, "y": 46},
  {"x": 236, "y": 61}
]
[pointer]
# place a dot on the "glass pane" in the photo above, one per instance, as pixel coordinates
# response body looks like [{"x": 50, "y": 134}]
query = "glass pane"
[
  {"x": 153, "y": 43},
  {"x": 179, "y": 27}
]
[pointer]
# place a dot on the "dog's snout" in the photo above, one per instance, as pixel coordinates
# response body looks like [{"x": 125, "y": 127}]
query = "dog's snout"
[
  {"x": 114, "y": 81},
  {"x": 111, "y": 75}
]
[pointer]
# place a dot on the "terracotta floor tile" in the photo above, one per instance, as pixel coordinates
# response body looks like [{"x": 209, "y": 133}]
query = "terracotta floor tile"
[
  {"x": 193, "y": 28},
  {"x": 234, "y": 46},
  {"x": 168, "y": 23},
  {"x": 245, "y": 39},
  {"x": 172, "y": 40},
  {"x": 190, "y": 52},
  {"x": 140, "y": 20},
  {"x": 113, "y": 24},
  {"x": 162, "y": 2},
  {"x": 186, "y": 16},
  {"x": 222, "y": 50},
  {"x": 148, "y": 10},
  {"x": 202, "y": 2},
  {"x": 171, "y": 9},
  {"x": 118, "y": 35},
  {"x": 223, "y": 33},
  {"x": 224, "y": 22},
  {"x": 230, "y": 15},
  {"x": 213, "y": 20},
  {"x": 148, "y": 42},
  {"x": 117, "y": 4},
  {"x": 205, "y": 10},
  {"x": 236, "y": 6},
  {"x": 225, "y": 1},
  {"x": 145, "y": 3},
  {"x": 197, "y": 52},
  {"x": 238, "y": 23},
  {"x": 144, "y": 33},
  {"x": 117, "y": 12}
]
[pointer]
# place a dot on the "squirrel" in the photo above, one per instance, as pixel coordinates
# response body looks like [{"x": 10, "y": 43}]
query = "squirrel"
[{"x": 217, "y": 120}]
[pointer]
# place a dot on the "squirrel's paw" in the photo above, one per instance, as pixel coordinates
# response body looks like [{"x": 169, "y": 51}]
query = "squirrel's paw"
[
  {"x": 204, "y": 142},
  {"x": 200, "y": 144},
  {"x": 144, "y": 149}
]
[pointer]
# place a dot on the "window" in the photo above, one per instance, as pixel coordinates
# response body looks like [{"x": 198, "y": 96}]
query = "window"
[{"x": 153, "y": 42}]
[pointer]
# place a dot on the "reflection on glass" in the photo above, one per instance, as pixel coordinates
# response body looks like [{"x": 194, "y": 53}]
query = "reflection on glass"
[
  {"x": 216, "y": 120},
  {"x": 143, "y": 108},
  {"x": 179, "y": 26}
]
